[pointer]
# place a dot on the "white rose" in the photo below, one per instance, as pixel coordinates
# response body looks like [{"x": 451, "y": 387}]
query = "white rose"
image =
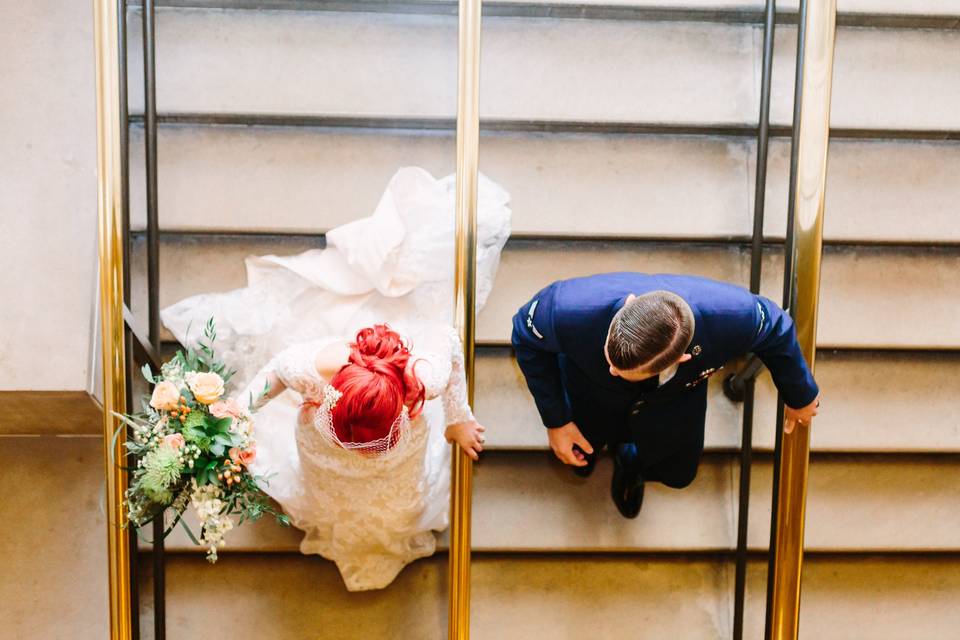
[
  {"x": 206, "y": 387},
  {"x": 165, "y": 396}
]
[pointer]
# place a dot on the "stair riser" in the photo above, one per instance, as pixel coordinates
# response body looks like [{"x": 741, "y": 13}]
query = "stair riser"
[
  {"x": 309, "y": 180},
  {"x": 334, "y": 63},
  {"x": 530, "y": 503},
  {"x": 870, "y": 298},
  {"x": 690, "y": 598}
]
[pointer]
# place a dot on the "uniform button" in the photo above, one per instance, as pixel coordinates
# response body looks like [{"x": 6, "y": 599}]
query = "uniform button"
[{"x": 696, "y": 350}]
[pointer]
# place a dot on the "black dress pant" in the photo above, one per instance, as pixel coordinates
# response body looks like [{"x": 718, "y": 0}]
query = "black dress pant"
[{"x": 668, "y": 432}]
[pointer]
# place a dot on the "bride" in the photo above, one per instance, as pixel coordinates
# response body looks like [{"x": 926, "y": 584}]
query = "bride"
[{"x": 350, "y": 354}]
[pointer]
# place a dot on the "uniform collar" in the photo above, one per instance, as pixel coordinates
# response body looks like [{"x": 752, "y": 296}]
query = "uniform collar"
[{"x": 695, "y": 348}]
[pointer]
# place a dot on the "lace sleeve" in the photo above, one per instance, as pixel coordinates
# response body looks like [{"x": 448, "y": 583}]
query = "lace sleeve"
[
  {"x": 440, "y": 368},
  {"x": 297, "y": 369}
]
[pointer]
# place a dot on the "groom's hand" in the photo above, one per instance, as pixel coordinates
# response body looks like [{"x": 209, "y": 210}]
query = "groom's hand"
[
  {"x": 804, "y": 414},
  {"x": 562, "y": 441}
]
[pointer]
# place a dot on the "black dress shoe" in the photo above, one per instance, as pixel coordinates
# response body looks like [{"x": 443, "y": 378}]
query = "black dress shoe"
[
  {"x": 586, "y": 470},
  {"x": 626, "y": 488}
]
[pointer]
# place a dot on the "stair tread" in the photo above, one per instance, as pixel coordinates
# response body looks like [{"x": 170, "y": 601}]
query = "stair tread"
[
  {"x": 906, "y": 288},
  {"x": 916, "y": 592},
  {"x": 884, "y": 7},
  {"x": 307, "y": 181},
  {"x": 884, "y": 78},
  {"x": 528, "y": 503},
  {"x": 916, "y": 392},
  {"x": 517, "y": 598}
]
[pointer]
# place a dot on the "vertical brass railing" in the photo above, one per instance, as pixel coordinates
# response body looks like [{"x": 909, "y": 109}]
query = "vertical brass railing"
[
  {"x": 815, "y": 59},
  {"x": 110, "y": 238},
  {"x": 468, "y": 150}
]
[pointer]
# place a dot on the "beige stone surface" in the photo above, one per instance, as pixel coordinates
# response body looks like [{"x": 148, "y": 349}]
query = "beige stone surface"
[
  {"x": 896, "y": 289},
  {"x": 877, "y": 402},
  {"x": 896, "y": 7},
  {"x": 53, "y": 543},
  {"x": 333, "y": 63},
  {"x": 861, "y": 502},
  {"x": 633, "y": 597},
  {"x": 288, "y": 593},
  {"x": 48, "y": 202},
  {"x": 49, "y": 413},
  {"x": 871, "y": 402},
  {"x": 883, "y": 78},
  {"x": 877, "y": 191},
  {"x": 528, "y": 503},
  {"x": 867, "y": 597},
  {"x": 512, "y": 598},
  {"x": 309, "y": 180}
]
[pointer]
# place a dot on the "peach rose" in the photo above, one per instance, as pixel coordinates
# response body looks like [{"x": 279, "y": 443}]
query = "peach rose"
[
  {"x": 248, "y": 455},
  {"x": 166, "y": 396},
  {"x": 174, "y": 440},
  {"x": 206, "y": 387},
  {"x": 244, "y": 456},
  {"x": 226, "y": 409}
]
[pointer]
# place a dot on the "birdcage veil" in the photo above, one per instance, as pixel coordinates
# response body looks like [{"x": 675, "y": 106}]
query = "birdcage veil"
[{"x": 323, "y": 420}]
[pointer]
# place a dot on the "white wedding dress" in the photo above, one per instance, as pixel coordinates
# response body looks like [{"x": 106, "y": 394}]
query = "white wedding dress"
[{"x": 370, "y": 514}]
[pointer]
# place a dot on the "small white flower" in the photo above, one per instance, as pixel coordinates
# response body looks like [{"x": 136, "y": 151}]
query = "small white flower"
[{"x": 331, "y": 395}]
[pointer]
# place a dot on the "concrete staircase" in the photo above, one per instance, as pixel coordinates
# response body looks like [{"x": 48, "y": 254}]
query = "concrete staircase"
[{"x": 625, "y": 139}]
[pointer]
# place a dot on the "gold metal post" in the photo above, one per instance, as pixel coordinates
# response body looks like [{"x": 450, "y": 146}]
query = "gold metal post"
[
  {"x": 109, "y": 202},
  {"x": 820, "y": 31},
  {"x": 468, "y": 152}
]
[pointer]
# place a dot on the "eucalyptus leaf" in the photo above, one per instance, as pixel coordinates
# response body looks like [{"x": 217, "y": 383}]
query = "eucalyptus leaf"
[{"x": 225, "y": 440}]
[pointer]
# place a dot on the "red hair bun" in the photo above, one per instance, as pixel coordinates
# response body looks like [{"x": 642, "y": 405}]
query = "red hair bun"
[{"x": 374, "y": 386}]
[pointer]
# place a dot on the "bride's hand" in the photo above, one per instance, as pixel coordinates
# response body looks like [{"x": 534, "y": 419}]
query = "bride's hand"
[{"x": 469, "y": 435}]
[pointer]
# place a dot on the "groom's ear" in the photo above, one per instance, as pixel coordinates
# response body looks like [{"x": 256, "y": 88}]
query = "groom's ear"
[
  {"x": 630, "y": 298},
  {"x": 685, "y": 358}
]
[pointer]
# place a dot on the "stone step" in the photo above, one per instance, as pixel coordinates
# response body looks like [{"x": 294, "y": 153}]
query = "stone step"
[
  {"x": 680, "y": 8},
  {"x": 614, "y": 596},
  {"x": 335, "y": 64},
  {"x": 887, "y": 7},
  {"x": 307, "y": 180},
  {"x": 689, "y": 596},
  {"x": 526, "y": 503},
  {"x": 913, "y": 290},
  {"x": 916, "y": 391}
]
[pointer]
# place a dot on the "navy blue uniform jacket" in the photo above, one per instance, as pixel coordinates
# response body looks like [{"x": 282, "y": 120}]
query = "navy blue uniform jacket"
[{"x": 560, "y": 333}]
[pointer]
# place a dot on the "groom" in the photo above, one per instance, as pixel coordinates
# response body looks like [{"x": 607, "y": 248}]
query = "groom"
[{"x": 622, "y": 359}]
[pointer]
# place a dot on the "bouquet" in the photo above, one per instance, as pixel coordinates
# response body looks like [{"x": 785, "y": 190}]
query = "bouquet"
[{"x": 192, "y": 448}]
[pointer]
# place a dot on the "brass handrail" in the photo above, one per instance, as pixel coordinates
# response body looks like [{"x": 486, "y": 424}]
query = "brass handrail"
[
  {"x": 465, "y": 288},
  {"x": 110, "y": 237},
  {"x": 816, "y": 48}
]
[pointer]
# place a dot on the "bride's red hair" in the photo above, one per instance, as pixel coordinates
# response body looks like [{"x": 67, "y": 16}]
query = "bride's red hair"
[{"x": 374, "y": 386}]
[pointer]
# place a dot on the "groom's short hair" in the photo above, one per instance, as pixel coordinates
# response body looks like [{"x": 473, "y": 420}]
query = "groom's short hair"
[{"x": 651, "y": 331}]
